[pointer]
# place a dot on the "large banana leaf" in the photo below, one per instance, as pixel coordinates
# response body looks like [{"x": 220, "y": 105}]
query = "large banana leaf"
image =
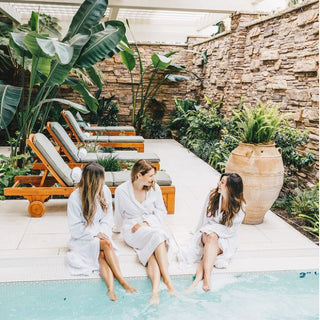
[
  {"x": 9, "y": 101},
  {"x": 127, "y": 54},
  {"x": 54, "y": 48},
  {"x": 16, "y": 43},
  {"x": 102, "y": 45},
  {"x": 59, "y": 71},
  {"x": 160, "y": 62},
  {"x": 88, "y": 15},
  {"x": 74, "y": 105},
  {"x": 81, "y": 87},
  {"x": 30, "y": 40},
  {"x": 95, "y": 77}
]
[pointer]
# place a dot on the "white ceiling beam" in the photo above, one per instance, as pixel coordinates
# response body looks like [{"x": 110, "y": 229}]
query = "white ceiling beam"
[
  {"x": 9, "y": 11},
  {"x": 225, "y": 6}
]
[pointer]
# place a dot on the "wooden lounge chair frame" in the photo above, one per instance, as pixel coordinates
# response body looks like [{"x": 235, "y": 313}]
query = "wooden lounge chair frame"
[
  {"x": 65, "y": 151},
  {"x": 42, "y": 187},
  {"x": 137, "y": 145}
]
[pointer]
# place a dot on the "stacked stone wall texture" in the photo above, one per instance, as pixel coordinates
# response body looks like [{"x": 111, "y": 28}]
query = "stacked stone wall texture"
[{"x": 274, "y": 60}]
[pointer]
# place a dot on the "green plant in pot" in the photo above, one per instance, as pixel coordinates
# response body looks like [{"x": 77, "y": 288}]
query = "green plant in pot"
[{"x": 257, "y": 160}]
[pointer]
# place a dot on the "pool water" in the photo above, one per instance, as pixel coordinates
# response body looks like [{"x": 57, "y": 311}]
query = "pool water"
[{"x": 258, "y": 296}]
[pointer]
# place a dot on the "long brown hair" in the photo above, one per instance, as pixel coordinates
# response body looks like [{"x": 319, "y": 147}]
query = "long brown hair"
[
  {"x": 142, "y": 166},
  {"x": 235, "y": 199},
  {"x": 91, "y": 190}
]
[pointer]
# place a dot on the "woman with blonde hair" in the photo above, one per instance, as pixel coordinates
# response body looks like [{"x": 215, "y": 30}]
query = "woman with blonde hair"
[
  {"x": 215, "y": 239},
  {"x": 90, "y": 218},
  {"x": 140, "y": 214}
]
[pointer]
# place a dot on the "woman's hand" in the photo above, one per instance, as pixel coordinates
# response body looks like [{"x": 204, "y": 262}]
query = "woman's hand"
[
  {"x": 102, "y": 236},
  {"x": 138, "y": 226}
]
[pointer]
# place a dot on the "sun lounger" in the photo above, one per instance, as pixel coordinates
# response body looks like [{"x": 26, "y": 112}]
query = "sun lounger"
[
  {"x": 109, "y": 130},
  {"x": 136, "y": 142},
  {"x": 76, "y": 156},
  {"x": 43, "y": 186}
]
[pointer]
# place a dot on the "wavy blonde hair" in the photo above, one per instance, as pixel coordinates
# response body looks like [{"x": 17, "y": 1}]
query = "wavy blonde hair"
[
  {"x": 91, "y": 190},
  {"x": 142, "y": 166},
  {"x": 235, "y": 199}
]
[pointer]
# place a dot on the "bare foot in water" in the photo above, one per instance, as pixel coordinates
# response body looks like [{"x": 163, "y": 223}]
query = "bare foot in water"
[
  {"x": 128, "y": 288},
  {"x": 206, "y": 284},
  {"x": 190, "y": 289},
  {"x": 154, "y": 300},
  {"x": 112, "y": 296}
]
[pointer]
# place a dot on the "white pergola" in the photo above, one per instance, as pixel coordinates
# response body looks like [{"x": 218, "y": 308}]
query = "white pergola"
[{"x": 168, "y": 21}]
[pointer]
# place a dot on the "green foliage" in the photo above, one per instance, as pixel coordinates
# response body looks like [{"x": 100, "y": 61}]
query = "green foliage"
[
  {"x": 205, "y": 124},
  {"x": 305, "y": 205},
  {"x": 221, "y": 150},
  {"x": 151, "y": 77},
  {"x": 9, "y": 169},
  {"x": 289, "y": 140},
  {"x": 110, "y": 163},
  {"x": 107, "y": 112},
  {"x": 180, "y": 120},
  {"x": 153, "y": 129},
  {"x": 258, "y": 124},
  {"x": 50, "y": 62}
]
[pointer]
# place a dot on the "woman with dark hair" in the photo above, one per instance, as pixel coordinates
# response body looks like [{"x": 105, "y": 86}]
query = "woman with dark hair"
[
  {"x": 90, "y": 219},
  {"x": 140, "y": 213},
  {"x": 215, "y": 239}
]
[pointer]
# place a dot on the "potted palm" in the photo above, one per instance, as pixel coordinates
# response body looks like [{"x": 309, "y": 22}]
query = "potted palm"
[{"x": 257, "y": 160}]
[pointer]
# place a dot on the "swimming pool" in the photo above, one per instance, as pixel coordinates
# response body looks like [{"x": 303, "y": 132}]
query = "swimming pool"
[{"x": 290, "y": 295}]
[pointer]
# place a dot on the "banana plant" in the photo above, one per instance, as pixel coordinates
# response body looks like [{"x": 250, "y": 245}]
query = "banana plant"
[
  {"x": 50, "y": 62},
  {"x": 162, "y": 70}
]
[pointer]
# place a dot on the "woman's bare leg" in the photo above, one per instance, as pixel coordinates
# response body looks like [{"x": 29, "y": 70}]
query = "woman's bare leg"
[
  {"x": 198, "y": 278},
  {"x": 154, "y": 275},
  {"x": 162, "y": 260},
  {"x": 113, "y": 262},
  {"x": 107, "y": 275},
  {"x": 210, "y": 252}
]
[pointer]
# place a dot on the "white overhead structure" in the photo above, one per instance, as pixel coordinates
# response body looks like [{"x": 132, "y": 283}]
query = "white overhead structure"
[{"x": 168, "y": 21}]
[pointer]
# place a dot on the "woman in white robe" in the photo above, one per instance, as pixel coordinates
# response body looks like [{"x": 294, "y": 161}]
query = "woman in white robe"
[
  {"x": 215, "y": 239},
  {"x": 90, "y": 219},
  {"x": 140, "y": 214}
]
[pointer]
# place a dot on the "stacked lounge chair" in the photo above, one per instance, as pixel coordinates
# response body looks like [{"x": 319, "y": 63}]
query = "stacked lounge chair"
[
  {"x": 136, "y": 142},
  {"x": 43, "y": 186}
]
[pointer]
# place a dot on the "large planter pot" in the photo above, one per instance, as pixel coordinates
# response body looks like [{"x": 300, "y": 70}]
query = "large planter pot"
[{"x": 261, "y": 169}]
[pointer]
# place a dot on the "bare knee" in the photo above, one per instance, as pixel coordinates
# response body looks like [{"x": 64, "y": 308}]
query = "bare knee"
[
  {"x": 105, "y": 244},
  {"x": 212, "y": 237}
]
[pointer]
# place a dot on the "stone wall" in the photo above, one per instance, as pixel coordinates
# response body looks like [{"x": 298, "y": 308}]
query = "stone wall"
[
  {"x": 117, "y": 80},
  {"x": 274, "y": 59}
]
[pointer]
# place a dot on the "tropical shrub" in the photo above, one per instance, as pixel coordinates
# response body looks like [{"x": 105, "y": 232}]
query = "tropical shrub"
[
  {"x": 107, "y": 111},
  {"x": 305, "y": 205},
  {"x": 9, "y": 169},
  {"x": 110, "y": 163},
  {"x": 51, "y": 61},
  {"x": 160, "y": 69},
  {"x": 180, "y": 117},
  {"x": 152, "y": 128}
]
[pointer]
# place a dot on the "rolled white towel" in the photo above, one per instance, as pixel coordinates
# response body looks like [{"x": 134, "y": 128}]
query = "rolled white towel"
[
  {"x": 82, "y": 153},
  {"x": 87, "y": 134},
  {"x": 76, "y": 174}
]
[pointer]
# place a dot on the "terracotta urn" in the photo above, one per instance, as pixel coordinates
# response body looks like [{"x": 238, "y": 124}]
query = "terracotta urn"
[{"x": 261, "y": 169}]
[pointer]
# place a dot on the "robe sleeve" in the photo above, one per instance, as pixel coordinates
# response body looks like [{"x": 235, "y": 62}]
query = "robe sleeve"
[
  {"x": 118, "y": 211},
  {"x": 203, "y": 216},
  {"x": 106, "y": 220},
  {"x": 159, "y": 211},
  {"x": 77, "y": 224}
]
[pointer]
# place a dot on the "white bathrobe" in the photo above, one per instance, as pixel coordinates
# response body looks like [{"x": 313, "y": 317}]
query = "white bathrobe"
[
  {"x": 129, "y": 211},
  {"x": 192, "y": 251},
  {"x": 83, "y": 257}
]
